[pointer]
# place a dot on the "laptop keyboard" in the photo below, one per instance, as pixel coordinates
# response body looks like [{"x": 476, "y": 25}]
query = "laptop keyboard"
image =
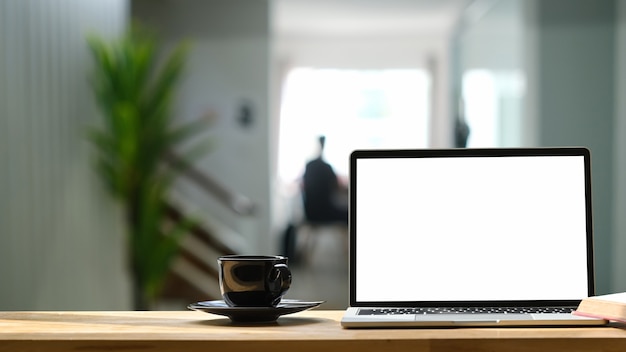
[{"x": 465, "y": 310}]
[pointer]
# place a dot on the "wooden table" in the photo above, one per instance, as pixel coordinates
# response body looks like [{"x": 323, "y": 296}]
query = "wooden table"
[{"x": 314, "y": 330}]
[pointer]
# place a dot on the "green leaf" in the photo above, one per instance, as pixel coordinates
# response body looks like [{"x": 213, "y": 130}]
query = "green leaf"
[{"x": 135, "y": 95}]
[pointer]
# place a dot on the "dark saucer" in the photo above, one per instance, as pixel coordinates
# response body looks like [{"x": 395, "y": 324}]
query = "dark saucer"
[{"x": 254, "y": 314}]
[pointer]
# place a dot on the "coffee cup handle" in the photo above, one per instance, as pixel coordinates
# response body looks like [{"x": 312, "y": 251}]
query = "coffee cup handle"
[{"x": 284, "y": 275}]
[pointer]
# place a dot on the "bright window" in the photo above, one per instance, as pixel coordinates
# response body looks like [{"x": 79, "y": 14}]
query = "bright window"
[
  {"x": 354, "y": 109},
  {"x": 494, "y": 107}
]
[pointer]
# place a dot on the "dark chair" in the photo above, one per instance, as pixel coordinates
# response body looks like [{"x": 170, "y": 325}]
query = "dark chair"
[{"x": 316, "y": 221}]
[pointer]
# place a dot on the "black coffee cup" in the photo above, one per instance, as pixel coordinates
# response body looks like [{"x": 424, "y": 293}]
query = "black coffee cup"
[{"x": 253, "y": 280}]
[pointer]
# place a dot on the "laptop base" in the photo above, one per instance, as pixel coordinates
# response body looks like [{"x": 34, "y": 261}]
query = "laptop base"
[{"x": 351, "y": 319}]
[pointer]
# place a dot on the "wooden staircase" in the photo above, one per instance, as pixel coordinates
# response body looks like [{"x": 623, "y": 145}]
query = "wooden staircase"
[{"x": 194, "y": 274}]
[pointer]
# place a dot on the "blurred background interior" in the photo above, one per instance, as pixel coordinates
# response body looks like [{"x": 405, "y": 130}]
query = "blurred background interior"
[{"x": 271, "y": 76}]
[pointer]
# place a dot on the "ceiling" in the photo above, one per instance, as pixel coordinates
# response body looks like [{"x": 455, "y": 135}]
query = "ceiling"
[{"x": 365, "y": 17}]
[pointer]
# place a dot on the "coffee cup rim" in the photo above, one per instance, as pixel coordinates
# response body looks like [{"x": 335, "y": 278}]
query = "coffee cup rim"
[{"x": 246, "y": 257}]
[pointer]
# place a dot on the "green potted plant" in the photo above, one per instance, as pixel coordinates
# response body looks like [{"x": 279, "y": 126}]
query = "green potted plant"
[{"x": 135, "y": 89}]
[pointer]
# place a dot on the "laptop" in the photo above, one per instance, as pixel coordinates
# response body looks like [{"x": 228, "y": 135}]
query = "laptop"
[{"x": 470, "y": 237}]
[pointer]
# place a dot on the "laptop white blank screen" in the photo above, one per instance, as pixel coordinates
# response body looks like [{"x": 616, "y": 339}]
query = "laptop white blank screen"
[{"x": 471, "y": 229}]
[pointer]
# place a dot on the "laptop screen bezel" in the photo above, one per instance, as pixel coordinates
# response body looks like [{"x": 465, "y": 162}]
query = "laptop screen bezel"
[{"x": 465, "y": 152}]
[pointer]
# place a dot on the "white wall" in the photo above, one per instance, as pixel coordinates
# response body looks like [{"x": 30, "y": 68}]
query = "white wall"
[
  {"x": 228, "y": 66},
  {"x": 61, "y": 243},
  {"x": 491, "y": 35}
]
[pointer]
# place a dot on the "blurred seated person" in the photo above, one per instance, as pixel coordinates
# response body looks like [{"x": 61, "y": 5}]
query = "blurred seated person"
[{"x": 322, "y": 193}]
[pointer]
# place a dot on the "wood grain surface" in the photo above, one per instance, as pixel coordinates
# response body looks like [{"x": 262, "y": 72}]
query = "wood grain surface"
[{"x": 314, "y": 330}]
